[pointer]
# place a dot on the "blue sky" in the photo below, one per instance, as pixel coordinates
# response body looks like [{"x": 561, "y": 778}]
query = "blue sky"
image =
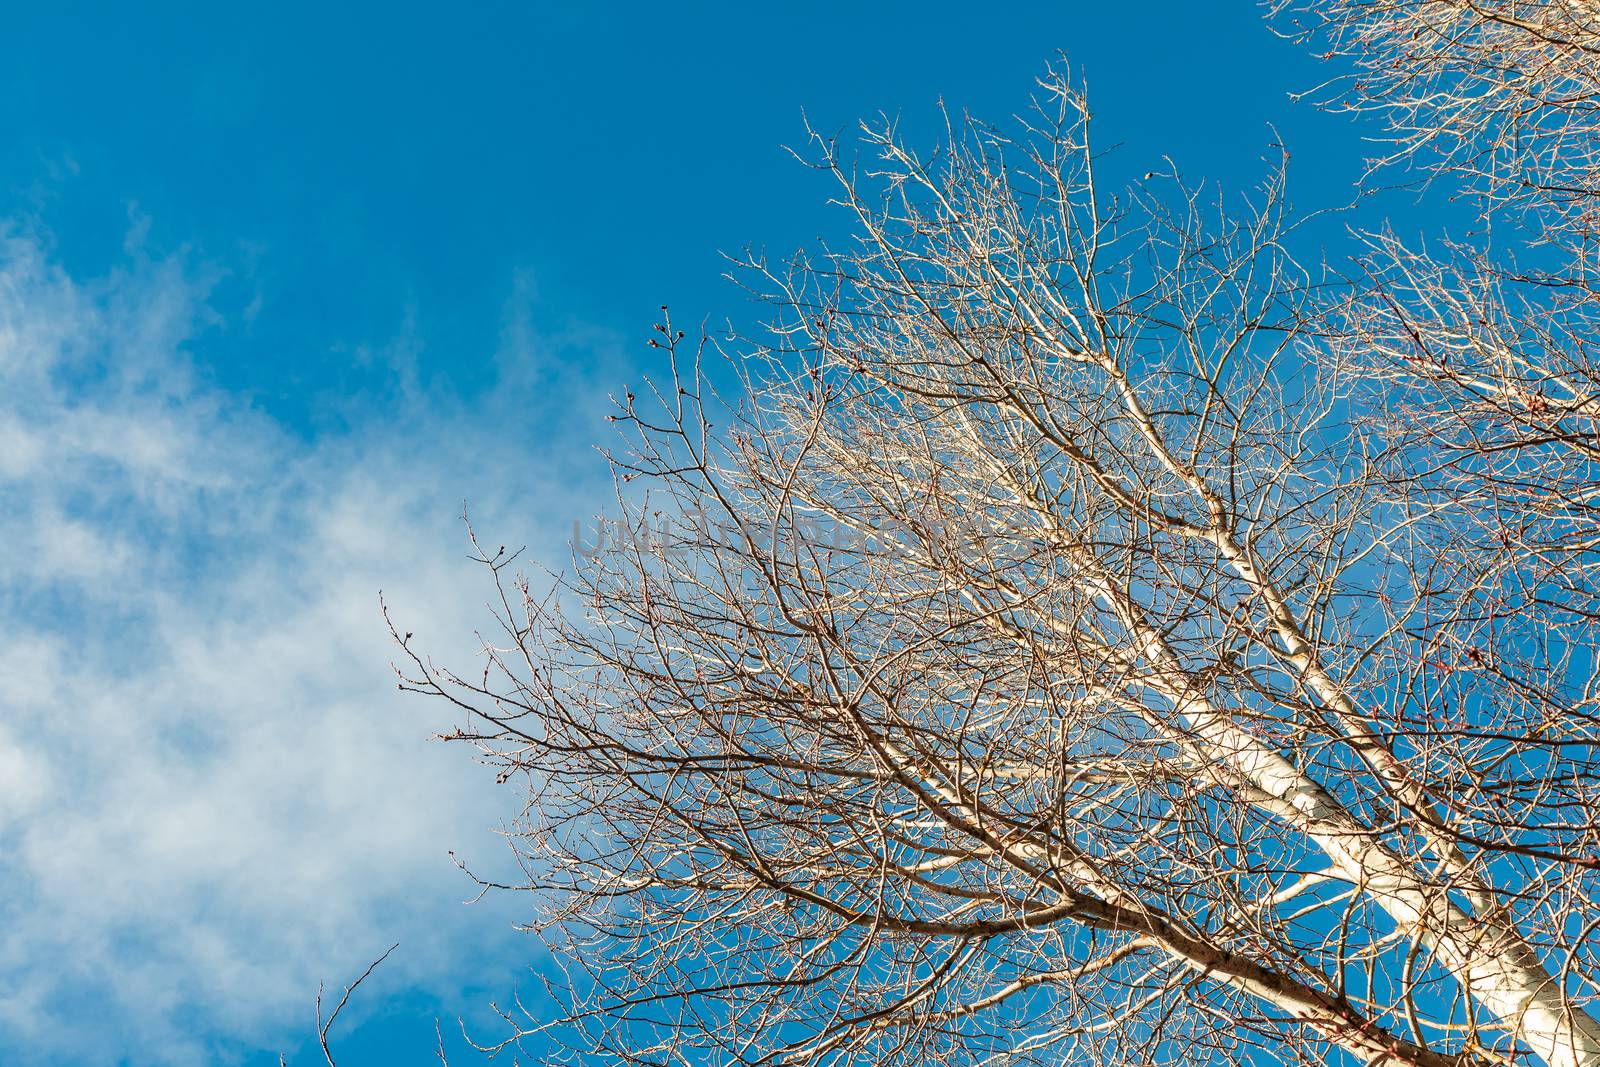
[{"x": 280, "y": 287}]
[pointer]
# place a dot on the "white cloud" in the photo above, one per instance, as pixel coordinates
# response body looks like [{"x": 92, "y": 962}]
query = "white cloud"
[{"x": 210, "y": 794}]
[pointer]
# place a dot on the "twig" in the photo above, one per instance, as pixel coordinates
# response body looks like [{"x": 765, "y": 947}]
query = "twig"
[{"x": 324, "y": 1027}]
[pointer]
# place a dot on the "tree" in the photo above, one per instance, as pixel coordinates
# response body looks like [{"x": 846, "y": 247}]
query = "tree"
[{"x": 1086, "y": 635}]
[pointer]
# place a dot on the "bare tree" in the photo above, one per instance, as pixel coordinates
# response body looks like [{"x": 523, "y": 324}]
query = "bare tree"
[{"x": 1087, "y": 638}]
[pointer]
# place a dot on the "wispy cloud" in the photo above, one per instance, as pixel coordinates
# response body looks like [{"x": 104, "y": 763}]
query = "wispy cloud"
[{"x": 210, "y": 794}]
